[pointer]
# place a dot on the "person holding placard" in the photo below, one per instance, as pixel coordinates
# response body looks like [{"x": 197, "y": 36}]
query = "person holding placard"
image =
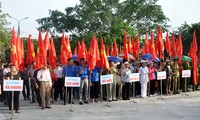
[
  {"x": 186, "y": 66},
  {"x": 44, "y": 76},
  {"x": 144, "y": 76},
  {"x": 83, "y": 73},
  {"x": 69, "y": 70},
  {"x": 126, "y": 73},
  {"x": 14, "y": 74}
]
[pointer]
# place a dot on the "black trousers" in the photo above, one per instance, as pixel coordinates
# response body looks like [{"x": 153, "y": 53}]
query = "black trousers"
[
  {"x": 69, "y": 89},
  {"x": 37, "y": 91},
  {"x": 152, "y": 86},
  {"x": 58, "y": 88},
  {"x": 16, "y": 100},
  {"x": 126, "y": 91},
  {"x": 94, "y": 90},
  {"x": 26, "y": 89},
  {"x": 137, "y": 88}
]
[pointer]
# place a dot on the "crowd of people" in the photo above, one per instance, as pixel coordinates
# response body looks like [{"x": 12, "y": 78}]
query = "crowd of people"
[{"x": 45, "y": 85}]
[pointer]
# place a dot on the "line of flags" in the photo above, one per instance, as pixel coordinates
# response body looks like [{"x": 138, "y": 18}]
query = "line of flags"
[{"x": 130, "y": 46}]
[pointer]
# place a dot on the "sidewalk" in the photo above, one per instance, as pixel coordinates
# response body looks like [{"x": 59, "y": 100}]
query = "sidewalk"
[{"x": 174, "y": 107}]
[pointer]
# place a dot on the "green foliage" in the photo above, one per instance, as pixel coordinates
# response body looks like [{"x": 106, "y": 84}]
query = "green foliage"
[
  {"x": 106, "y": 18},
  {"x": 187, "y": 35},
  {"x": 4, "y": 36}
]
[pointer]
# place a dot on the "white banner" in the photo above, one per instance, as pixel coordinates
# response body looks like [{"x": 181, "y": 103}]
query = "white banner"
[
  {"x": 161, "y": 75},
  {"x": 72, "y": 81},
  {"x": 186, "y": 73},
  {"x": 134, "y": 77},
  {"x": 13, "y": 85},
  {"x": 106, "y": 79}
]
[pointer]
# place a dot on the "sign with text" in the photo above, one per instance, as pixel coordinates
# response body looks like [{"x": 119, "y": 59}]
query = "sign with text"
[
  {"x": 186, "y": 73},
  {"x": 106, "y": 79},
  {"x": 161, "y": 75},
  {"x": 134, "y": 77},
  {"x": 72, "y": 81},
  {"x": 13, "y": 85}
]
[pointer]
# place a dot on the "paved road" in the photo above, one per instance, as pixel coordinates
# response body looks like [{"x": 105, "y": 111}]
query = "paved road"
[{"x": 175, "y": 107}]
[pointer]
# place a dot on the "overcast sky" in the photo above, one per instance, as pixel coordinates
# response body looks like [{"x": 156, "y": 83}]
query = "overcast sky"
[{"x": 178, "y": 11}]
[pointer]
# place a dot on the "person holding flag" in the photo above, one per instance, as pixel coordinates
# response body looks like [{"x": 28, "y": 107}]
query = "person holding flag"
[
  {"x": 69, "y": 70},
  {"x": 83, "y": 72}
]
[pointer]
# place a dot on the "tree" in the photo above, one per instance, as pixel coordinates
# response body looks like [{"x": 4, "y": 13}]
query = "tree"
[
  {"x": 4, "y": 37},
  {"x": 187, "y": 35}
]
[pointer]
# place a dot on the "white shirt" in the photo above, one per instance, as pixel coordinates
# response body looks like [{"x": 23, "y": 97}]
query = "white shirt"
[
  {"x": 126, "y": 75},
  {"x": 44, "y": 75},
  {"x": 6, "y": 70},
  {"x": 143, "y": 71},
  {"x": 58, "y": 72}
]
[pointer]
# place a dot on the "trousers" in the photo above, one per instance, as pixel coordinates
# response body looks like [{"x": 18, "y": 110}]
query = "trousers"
[
  {"x": 45, "y": 91},
  {"x": 84, "y": 85}
]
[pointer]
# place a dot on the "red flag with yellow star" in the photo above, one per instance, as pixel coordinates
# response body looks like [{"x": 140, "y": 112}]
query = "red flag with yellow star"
[
  {"x": 125, "y": 47},
  {"x": 104, "y": 59}
]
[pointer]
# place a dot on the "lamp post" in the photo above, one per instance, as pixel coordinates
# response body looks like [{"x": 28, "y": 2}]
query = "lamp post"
[{"x": 18, "y": 21}]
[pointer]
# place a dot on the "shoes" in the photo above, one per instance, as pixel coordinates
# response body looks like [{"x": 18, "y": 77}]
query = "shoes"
[
  {"x": 109, "y": 100},
  {"x": 55, "y": 99},
  {"x": 42, "y": 108},
  {"x": 17, "y": 111},
  {"x": 86, "y": 102},
  {"x": 33, "y": 102},
  {"x": 70, "y": 102},
  {"x": 48, "y": 107},
  {"x": 95, "y": 100},
  {"x": 114, "y": 99},
  {"x": 128, "y": 99},
  {"x": 28, "y": 98},
  {"x": 81, "y": 103}
]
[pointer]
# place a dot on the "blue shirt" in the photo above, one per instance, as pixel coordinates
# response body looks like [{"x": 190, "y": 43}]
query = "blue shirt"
[
  {"x": 84, "y": 73},
  {"x": 95, "y": 74},
  {"x": 69, "y": 70}
]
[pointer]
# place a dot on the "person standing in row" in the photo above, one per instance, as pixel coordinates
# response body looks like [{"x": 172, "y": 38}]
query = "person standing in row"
[
  {"x": 152, "y": 77},
  {"x": 14, "y": 74},
  {"x": 69, "y": 70},
  {"x": 58, "y": 85},
  {"x": 26, "y": 87},
  {"x": 126, "y": 73},
  {"x": 168, "y": 70},
  {"x": 44, "y": 77},
  {"x": 113, "y": 86},
  {"x": 95, "y": 84},
  {"x": 32, "y": 82},
  {"x": 83, "y": 72},
  {"x": 144, "y": 76},
  {"x": 176, "y": 77},
  {"x": 186, "y": 66}
]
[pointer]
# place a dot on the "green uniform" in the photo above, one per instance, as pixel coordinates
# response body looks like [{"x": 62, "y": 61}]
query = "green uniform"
[{"x": 176, "y": 78}]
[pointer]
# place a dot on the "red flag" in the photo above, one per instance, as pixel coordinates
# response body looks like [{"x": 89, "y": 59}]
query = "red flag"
[
  {"x": 19, "y": 50},
  {"x": 75, "y": 50},
  {"x": 52, "y": 54},
  {"x": 97, "y": 52},
  {"x": 92, "y": 56},
  {"x": 179, "y": 49},
  {"x": 46, "y": 44},
  {"x": 146, "y": 45},
  {"x": 79, "y": 51},
  {"x": 107, "y": 51},
  {"x": 40, "y": 57},
  {"x": 30, "y": 56},
  {"x": 173, "y": 46},
  {"x": 68, "y": 50},
  {"x": 133, "y": 46},
  {"x": 137, "y": 47},
  {"x": 167, "y": 45},
  {"x": 84, "y": 49},
  {"x": 111, "y": 50},
  {"x": 152, "y": 47},
  {"x": 159, "y": 43},
  {"x": 130, "y": 46},
  {"x": 143, "y": 50},
  {"x": 115, "y": 49},
  {"x": 13, "y": 49},
  {"x": 125, "y": 48},
  {"x": 22, "y": 65},
  {"x": 104, "y": 60}
]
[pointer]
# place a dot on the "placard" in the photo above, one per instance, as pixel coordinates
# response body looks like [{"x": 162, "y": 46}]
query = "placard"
[
  {"x": 13, "y": 85},
  {"x": 72, "y": 81},
  {"x": 134, "y": 77},
  {"x": 186, "y": 73},
  {"x": 106, "y": 79},
  {"x": 161, "y": 75}
]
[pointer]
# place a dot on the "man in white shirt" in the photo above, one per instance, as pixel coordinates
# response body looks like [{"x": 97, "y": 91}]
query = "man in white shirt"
[
  {"x": 44, "y": 77},
  {"x": 59, "y": 83}
]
